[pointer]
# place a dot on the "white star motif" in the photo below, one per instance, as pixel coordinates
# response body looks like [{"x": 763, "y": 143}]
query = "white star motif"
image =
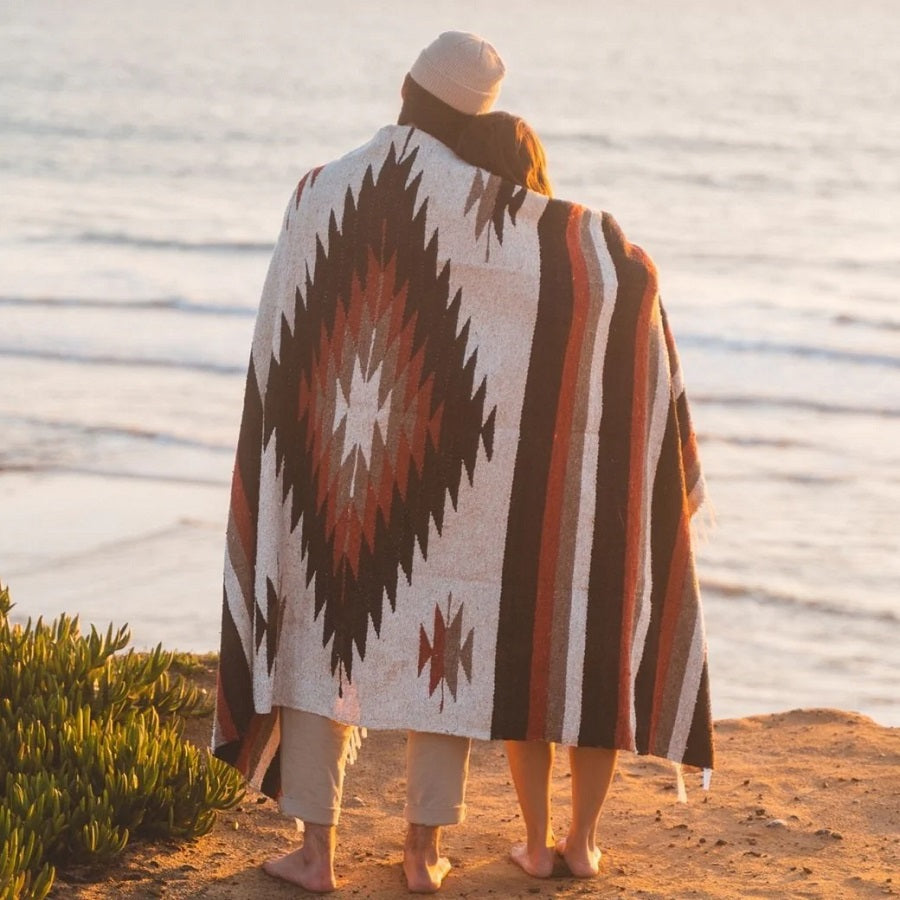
[{"x": 361, "y": 413}]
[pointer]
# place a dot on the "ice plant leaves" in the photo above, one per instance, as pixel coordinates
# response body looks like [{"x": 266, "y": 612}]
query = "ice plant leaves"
[{"x": 91, "y": 753}]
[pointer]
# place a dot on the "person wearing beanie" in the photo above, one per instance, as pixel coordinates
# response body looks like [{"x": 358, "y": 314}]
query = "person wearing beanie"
[
  {"x": 461, "y": 69},
  {"x": 464, "y": 439},
  {"x": 454, "y": 79}
]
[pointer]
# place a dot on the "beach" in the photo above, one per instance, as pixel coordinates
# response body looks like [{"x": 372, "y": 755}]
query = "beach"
[
  {"x": 802, "y": 804},
  {"x": 147, "y": 152}
]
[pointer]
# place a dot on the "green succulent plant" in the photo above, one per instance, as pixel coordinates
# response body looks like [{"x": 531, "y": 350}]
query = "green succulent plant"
[{"x": 91, "y": 751}]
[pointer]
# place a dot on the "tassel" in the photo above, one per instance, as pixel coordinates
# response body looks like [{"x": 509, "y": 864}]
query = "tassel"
[
  {"x": 357, "y": 736},
  {"x": 703, "y": 521},
  {"x": 682, "y": 791}
]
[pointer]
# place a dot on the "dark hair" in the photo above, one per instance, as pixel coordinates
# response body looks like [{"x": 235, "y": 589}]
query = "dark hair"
[
  {"x": 507, "y": 146},
  {"x": 423, "y": 110}
]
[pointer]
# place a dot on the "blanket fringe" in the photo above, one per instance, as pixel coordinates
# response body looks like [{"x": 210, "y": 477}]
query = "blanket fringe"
[
  {"x": 357, "y": 736},
  {"x": 703, "y": 521},
  {"x": 679, "y": 777}
]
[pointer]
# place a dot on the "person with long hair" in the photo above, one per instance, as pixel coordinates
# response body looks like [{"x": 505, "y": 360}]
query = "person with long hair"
[{"x": 507, "y": 146}]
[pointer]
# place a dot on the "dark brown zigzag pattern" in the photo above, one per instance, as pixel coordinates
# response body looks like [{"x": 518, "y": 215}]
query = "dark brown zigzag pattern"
[
  {"x": 497, "y": 198},
  {"x": 373, "y": 404}
]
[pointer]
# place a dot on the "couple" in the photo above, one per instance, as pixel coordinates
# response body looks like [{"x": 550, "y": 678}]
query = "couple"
[{"x": 463, "y": 488}]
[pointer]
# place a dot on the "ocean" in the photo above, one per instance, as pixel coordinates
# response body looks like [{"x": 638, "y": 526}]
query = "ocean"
[{"x": 148, "y": 150}]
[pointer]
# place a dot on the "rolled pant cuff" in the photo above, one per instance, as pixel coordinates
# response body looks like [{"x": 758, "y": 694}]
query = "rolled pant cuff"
[
  {"x": 306, "y": 812},
  {"x": 435, "y": 815}
]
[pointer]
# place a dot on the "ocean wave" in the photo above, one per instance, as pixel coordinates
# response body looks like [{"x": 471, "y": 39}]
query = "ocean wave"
[
  {"x": 164, "y": 477},
  {"x": 96, "y": 129},
  {"x": 886, "y": 265},
  {"x": 876, "y": 324},
  {"x": 160, "y": 304},
  {"x": 118, "y": 431},
  {"x": 697, "y": 145},
  {"x": 591, "y": 138},
  {"x": 742, "y": 440},
  {"x": 769, "y": 597},
  {"x": 795, "y": 403},
  {"x": 148, "y": 242},
  {"x": 766, "y": 347},
  {"x": 127, "y": 362}
]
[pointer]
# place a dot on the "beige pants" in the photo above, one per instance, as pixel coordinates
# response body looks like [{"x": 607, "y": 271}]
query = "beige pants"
[{"x": 314, "y": 756}]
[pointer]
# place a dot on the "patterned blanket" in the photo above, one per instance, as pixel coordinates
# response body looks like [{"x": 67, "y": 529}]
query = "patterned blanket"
[{"x": 465, "y": 474}]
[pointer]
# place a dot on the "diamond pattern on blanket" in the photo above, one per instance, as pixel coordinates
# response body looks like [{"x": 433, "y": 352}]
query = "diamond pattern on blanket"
[{"x": 379, "y": 415}]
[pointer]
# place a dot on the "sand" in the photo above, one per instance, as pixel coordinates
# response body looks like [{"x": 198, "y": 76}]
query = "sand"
[{"x": 802, "y": 804}]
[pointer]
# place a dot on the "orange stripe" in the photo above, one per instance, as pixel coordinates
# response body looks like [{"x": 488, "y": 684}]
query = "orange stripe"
[
  {"x": 636, "y": 487},
  {"x": 671, "y": 613},
  {"x": 248, "y": 745},
  {"x": 240, "y": 514},
  {"x": 556, "y": 481},
  {"x": 689, "y": 452},
  {"x": 227, "y": 728}
]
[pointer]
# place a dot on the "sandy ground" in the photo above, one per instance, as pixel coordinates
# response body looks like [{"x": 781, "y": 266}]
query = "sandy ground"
[{"x": 802, "y": 804}]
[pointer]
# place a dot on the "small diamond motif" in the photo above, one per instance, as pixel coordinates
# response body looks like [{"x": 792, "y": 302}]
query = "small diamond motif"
[{"x": 446, "y": 651}]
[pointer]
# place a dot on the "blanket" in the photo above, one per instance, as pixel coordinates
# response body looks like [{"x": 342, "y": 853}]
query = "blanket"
[{"x": 465, "y": 474}]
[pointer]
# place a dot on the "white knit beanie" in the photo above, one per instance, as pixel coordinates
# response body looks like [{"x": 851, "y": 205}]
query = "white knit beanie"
[{"x": 461, "y": 69}]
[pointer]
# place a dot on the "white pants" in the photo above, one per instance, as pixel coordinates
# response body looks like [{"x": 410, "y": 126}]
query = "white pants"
[{"x": 314, "y": 756}]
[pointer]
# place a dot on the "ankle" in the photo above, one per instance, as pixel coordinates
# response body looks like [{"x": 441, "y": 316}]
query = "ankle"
[
  {"x": 537, "y": 838},
  {"x": 581, "y": 840},
  {"x": 423, "y": 839},
  {"x": 319, "y": 842},
  {"x": 539, "y": 845}
]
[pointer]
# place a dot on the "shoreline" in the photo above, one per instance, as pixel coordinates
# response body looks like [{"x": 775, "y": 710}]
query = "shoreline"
[
  {"x": 802, "y": 804},
  {"x": 151, "y": 558}
]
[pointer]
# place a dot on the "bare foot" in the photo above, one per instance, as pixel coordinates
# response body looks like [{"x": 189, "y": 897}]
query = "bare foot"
[
  {"x": 423, "y": 865},
  {"x": 583, "y": 862},
  {"x": 302, "y": 868},
  {"x": 538, "y": 863}
]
